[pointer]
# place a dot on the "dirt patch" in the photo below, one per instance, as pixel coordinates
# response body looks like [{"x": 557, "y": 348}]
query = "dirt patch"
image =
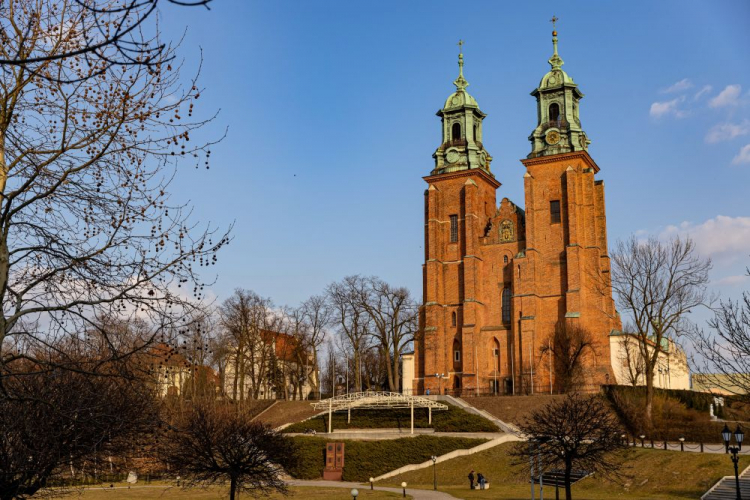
[
  {"x": 288, "y": 412},
  {"x": 512, "y": 408}
]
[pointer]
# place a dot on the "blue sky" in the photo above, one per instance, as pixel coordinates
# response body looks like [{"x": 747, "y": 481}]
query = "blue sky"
[{"x": 330, "y": 111}]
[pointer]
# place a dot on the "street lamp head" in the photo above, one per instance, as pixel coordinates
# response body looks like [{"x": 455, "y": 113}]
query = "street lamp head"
[
  {"x": 355, "y": 493},
  {"x": 682, "y": 439},
  {"x": 739, "y": 436},
  {"x": 434, "y": 459},
  {"x": 403, "y": 485},
  {"x": 642, "y": 436},
  {"x": 726, "y": 434},
  {"x": 372, "y": 479}
]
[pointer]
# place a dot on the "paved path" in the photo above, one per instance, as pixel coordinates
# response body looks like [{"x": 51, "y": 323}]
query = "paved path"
[{"x": 416, "y": 494}]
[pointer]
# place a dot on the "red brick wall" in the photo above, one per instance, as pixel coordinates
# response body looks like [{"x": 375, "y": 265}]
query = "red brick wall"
[{"x": 553, "y": 270}]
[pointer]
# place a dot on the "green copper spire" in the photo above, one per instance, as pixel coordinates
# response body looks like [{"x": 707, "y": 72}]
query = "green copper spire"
[
  {"x": 555, "y": 61},
  {"x": 559, "y": 125},
  {"x": 461, "y": 82}
]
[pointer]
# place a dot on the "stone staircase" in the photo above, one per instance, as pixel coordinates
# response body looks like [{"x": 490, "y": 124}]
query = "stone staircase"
[{"x": 726, "y": 488}]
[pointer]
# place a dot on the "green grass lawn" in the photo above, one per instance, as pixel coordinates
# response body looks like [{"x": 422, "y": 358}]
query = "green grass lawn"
[
  {"x": 652, "y": 474},
  {"x": 454, "y": 419},
  {"x": 167, "y": 493},
  {"x": 365, "y": 459}
]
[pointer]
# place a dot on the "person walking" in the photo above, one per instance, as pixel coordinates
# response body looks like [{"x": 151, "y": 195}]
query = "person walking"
[{"x": 471, "y": 479}]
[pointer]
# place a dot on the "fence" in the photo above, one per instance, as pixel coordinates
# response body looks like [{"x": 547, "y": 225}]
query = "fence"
[{"x": 700, "y": 447}]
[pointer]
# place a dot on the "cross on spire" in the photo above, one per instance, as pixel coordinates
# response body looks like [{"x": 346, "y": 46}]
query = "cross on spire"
[
  {"x": 554, "y": 20},
  {"x": 460, "y": 47}
]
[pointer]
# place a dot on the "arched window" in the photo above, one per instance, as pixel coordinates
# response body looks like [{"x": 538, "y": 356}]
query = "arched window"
[
  {"x": 554, "y": 112},
  {"x": 456, "y": 131},
  {"x": 506, "y": 305},
  {"x": 495, "y": 354},
  {"x": 505, "y": 259},
  {"x": 453, "y": 318}
]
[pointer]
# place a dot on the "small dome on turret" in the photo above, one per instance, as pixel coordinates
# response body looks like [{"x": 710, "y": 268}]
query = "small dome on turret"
[
  {"x": 555, "y": 78},
  {"x": 458, "y": 99}
]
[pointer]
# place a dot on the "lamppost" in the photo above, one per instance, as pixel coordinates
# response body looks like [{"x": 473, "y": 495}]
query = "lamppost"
[
  {"x": 682, "y": 443},
  {"x": 403, "y": 485},
  {"x": 642, "y": 442},
  {"x": 372, "y": 480},
  {"x": 434, "y": 472},
  {"x": 355, "y": 493},
  {"x": 734, "y": 450}
]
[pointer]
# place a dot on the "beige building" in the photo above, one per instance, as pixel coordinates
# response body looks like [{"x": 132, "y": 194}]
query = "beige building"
[
  {"x": 671, "y": 372},
  {"x": 407, "y": 373},
  {"x": 719, "y": 383}
]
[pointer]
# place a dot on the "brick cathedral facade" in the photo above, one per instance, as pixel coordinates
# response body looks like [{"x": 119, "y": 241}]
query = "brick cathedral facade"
[{"x": 497, "y": 278}]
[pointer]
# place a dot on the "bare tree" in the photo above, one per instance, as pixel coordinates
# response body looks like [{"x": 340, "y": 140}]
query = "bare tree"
[
  {"x": 631, "y": 358},
  {"x": 215, "y": 444},
  {"x": 250, "y": 325},
  {"x": 568, "y": 346},
  {"x": 352, "y": 320},
  {"x": 656, "y": 284},
  {"x": 61, "y": 418},
  {"x": 724, "y": 351},
  {"x": 394, "y": 318},
  {"x": 318, "y": 314},
  {"x": 101, "y": 34},
  {"x": 87, "y": 229},
  {"x": 576, "y": 433}
]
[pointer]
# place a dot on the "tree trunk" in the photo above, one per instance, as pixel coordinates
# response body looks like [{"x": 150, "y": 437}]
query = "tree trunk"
[
  {"x": 233, "y": 489},
  {"x": 649, "y": 396},
  {"x": 568, "y": 493}
]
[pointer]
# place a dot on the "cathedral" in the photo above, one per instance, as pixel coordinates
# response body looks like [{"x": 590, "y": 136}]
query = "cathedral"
[{"x": 498, "y": 279}]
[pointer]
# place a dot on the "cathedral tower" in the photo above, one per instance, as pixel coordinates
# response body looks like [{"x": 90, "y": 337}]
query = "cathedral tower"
[{"x": 498, "y": 281}]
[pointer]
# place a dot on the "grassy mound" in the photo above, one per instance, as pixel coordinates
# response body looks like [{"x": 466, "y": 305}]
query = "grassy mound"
[
  {"x": 646, "y": 474},
  {"x": 452, "y": 420},
  {"x": 365, "y": 459}
]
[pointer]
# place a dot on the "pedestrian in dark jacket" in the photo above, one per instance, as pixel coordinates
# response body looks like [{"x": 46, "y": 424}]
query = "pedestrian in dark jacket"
[
  {"x": 471, "y": 480},
  {"x": 481, "y": 480}
]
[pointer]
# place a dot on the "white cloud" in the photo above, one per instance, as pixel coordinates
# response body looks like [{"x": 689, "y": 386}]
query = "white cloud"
[
  {"x": 659, "y": 109},
  {"x": 727, "y": 97},
  {"x": 736, "y": 279},
  {"x": 727, "y": 131},
  {"x": 724, "y": 239},
  {"x": 683, "y": 84},
  {"x": 705, "y": 90},
  {"x": 743, "y": 156}
]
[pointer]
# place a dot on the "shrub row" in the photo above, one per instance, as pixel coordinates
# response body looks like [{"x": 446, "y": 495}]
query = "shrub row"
[
  {"x": 365, "y": 459},
  {"x": 452, "y": 420}
]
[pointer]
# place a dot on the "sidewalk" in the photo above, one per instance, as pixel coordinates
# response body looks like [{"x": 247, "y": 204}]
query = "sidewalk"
[{"x": 416, "y": 494}]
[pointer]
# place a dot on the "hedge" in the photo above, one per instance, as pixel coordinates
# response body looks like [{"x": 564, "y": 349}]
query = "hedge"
[
  {"x": 452, "y": 420},
  {"x": 365, "y": 459}
]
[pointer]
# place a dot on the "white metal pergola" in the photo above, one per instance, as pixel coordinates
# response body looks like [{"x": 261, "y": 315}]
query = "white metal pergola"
[{"x": 376, "y": 401}]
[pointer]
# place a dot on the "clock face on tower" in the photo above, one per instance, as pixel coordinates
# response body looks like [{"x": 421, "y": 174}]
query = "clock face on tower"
[
  {"x": 452, "y": 156},
  {"x": 552, "y": 137}
]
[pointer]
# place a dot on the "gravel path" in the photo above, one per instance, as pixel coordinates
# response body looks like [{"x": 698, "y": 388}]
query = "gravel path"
[{"x": 416, "y": 494}]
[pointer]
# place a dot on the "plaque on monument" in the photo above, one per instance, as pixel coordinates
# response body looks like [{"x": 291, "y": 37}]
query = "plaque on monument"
[{"x": 334, "y": 469}]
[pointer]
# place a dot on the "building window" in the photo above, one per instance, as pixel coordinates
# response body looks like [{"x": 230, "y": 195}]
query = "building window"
[
  {"x": 457, "y": 356},
  {"x": 554, "y": 211},
  {"x": 453, "y": 318},
  {"x": 506, "y": 305},
  {"x": 554, "y": 112},
  {"x": 456, "y": 132},
  {"x": 505, "y": 259},
  {"x": 454, "y": 228},
  {"x": 475, "y": 133}
]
